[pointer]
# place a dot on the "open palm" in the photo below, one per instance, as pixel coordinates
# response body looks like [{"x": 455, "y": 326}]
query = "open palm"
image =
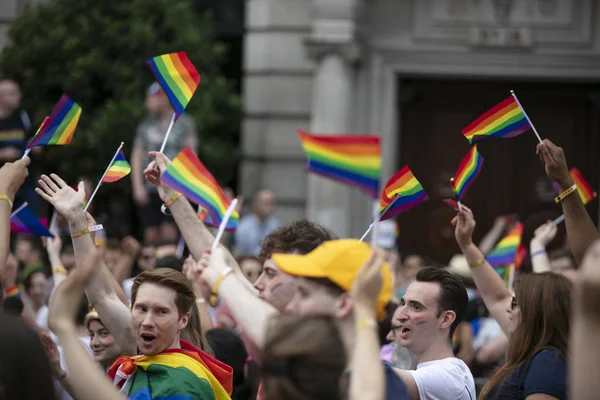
[{"x": 63, "y": 198}]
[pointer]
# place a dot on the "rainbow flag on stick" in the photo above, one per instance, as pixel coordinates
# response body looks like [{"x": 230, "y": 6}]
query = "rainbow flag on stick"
[
  {"x": 232, "y": 222},
  {"x": 177, "y": 76},
  {"x": 353, "y": 160},
  {"x": 586, "y": 193},
  {"x": 25, "y": 221},
  {"x": 401, "y": 192},
  {"x": 506, "y": 250},
  {"x": 467, "y": 172},
  {"x": 59, "y": 127},
  {"x": 505, "y": 120},
  {"x": 189, "y": 176},
  {"x": 117, "y": 169}
]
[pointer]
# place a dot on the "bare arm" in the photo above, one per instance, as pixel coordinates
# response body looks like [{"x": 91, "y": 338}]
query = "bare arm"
[
  {"x": 537, "y": 247},
  {"x": 99, "y": 289},
  {"x": 495, "y": 294},
  {"x": 492, "y": 351},
  {"x": 53, "y": 247},
  {"x": 583, "y": 343},
  {"x": 137, "y": 176},
  {"x": 250, "y": 312},
  {"x": 365, "y": 356},
  {"x": 581, "y": 231},
  {"x": 491, "y": 238}
]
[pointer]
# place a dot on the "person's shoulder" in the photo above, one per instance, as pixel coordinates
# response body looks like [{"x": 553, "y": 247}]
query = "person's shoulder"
[{"x": 547, "y": 374}]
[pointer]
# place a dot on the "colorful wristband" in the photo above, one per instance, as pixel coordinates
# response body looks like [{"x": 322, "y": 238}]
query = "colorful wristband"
[{"x": 564, "y": 194}]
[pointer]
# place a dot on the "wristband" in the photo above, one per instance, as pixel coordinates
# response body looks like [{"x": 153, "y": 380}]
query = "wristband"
[
  {"x": 477, "y": 263},
  {"x": 7, "y": 199},
  {"x": 537, "y": 253},
  {"x": 80, "y": 233},
  {"x": 366, "y": 323},
  {"x": 60, "y": 270},
  {"x": 172, "y": 199},
  {"x": 215, "y": 288},
  {"x": 564, "y": 194}
]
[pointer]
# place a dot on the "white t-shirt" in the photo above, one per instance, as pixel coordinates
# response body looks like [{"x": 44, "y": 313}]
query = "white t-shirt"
[{"x": 446, "y": 379}]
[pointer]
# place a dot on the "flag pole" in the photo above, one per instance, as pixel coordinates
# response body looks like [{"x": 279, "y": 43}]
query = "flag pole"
[
  {"x": 53, "y": 222},
  {"x": 373, "y": 226},
  {"x": 22, "y": 206},
  {"x": 512, "y": 92},
  {"x": 457, "y": 198},
  {"x": 164, "y": 143},
  {"x": 223, "y": 223},
  {"x": 559, "y": 220},
  {"x": 28, "y": 149},
  {"x": 103, "y": 175}
]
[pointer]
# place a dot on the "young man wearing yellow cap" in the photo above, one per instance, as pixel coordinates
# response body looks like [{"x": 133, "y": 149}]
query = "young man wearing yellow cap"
[
  {"x": 430, "y": 310},
  {"x": 323, "y": 279}
]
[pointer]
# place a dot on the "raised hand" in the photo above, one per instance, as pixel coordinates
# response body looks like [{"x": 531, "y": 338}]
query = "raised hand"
[
  {"x": 555, "y": 163},
  {"x": 369, "y": 280},
  {"x": 545, "y": 233},
  {"x": 53, "y": 246},
  {"x": 153, "y": 172},
  {"x": 12, "y": 176},
  {"x": 464, "y": 224},
  {"x": 63, "y": 198}
]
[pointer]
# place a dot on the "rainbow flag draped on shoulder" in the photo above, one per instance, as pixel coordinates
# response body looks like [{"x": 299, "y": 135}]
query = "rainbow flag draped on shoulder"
[{"x": 182, "y": 374}]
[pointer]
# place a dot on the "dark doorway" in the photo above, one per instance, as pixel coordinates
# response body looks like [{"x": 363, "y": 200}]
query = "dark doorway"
[{"x": 431, "y": 116}]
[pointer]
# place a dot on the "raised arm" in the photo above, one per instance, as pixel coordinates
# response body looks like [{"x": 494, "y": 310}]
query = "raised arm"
[
  {"x": 581, "y": 231},
  {"x": 250, "y": 312},
  {"x": 99, "y": 289},
  {"x": 85, "y": 380},
  {"x": 495, "y": 294},
  {"x": 196, "y": 235},
  {"x": 537, "y": 247},
  {"x": 491, "y": 238},
  {"x": 12, "y": 176},
  {"x": 365, "y": 356}
]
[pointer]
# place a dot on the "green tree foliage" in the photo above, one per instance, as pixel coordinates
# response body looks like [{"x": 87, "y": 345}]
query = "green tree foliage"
[{"x": 95, "y": 51}]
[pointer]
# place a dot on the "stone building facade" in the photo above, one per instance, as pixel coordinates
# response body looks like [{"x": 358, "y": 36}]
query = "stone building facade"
[{"x": 332, "y": 66}]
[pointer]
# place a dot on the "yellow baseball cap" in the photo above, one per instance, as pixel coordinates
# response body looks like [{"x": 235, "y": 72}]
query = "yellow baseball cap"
[{"x": 339, "y": 261}]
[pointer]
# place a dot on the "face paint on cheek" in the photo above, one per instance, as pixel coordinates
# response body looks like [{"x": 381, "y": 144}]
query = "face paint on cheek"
[
  {"x": 420, "y": 321},
  {"x": 275, "y": 285}
]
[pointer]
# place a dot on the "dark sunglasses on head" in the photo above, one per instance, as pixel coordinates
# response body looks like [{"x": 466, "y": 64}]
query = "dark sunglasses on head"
[{"x": 513, "y": 303}]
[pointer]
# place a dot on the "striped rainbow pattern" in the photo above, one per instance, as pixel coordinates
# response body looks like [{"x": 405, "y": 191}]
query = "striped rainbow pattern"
[
  {"x": 189, "y": 176},
  {"x": 506, "y": 119},
  {"x": 401, "y": 192},
  {"x": 177, "y": 76},
  {"x": 12, "y": 292},
  {"x": 586, "y": 192},
  {"x": 59, "y": 127},
  {"x": 178, "y": 374},
  {"x": 119, "y": 168},
  {"x": 232, "y": 222},
  {"x": 353, "y": 160},
  {"x": 26, "y": 221},
  {"x": 505, "y": 252},
  {"x": 467, "y": 172}
]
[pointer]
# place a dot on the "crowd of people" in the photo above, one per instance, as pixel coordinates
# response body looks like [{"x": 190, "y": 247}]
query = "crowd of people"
[{"x": 280, "y": 311}]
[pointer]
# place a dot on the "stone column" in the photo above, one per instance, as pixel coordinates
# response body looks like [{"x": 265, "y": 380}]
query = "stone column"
[{"x": 333, "y": 47}]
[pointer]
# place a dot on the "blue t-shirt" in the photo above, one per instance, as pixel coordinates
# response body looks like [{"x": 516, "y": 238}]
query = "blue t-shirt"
[
  {"x": 547, "y": 374},
  {"x": 395, "y": 389}
]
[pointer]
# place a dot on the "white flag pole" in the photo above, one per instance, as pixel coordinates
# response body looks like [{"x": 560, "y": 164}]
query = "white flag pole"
[
  {"x": 223, "y": 223},
  {"x": 103, "y": 175},
  {"x": 526, "y": 116}
]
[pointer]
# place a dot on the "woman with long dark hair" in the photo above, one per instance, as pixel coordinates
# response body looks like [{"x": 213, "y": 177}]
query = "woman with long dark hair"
[{"x": 536, "y": 320}]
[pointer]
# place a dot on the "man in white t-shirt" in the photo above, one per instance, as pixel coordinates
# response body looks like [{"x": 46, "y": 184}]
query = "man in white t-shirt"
[{"x": 429, "y": 312}]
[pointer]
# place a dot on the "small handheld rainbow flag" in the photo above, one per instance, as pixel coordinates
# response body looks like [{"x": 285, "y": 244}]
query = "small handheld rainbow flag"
[
  {"x": 467, "y": 172},
  {"x": 505, "y": 252},
  {"x": 119, "y": 168},
  {"x": 59, "y": 127},
  {"x": 353, "y": 160},
  {"x": 586, "y": 192},
  {"x": 25, "y": 221},
  {"x": 401, "y": 192},
  {"x": 505, "y": 120},
  {"x": 189, "y": 176},
  {"x": 232, "y": 222},
  {"x": 177, "y": 76}
]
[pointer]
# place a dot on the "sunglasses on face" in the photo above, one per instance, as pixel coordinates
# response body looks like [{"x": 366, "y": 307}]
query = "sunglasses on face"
[{"x": 513, "y": 303}]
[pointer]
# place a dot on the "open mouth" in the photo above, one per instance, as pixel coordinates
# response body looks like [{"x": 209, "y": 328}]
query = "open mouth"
[
  {"x": 147, "y": 338},
  {"x": 404, "y": 331}
]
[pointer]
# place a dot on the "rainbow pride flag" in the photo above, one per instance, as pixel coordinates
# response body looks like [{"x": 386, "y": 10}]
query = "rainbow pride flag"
[
  {"x": 181, "y": 374},
  {"x": 505, "y": 120},
  {"x": 188, "y": 175},
  {"x": 401, "y": 192},
  {"x": 118, "y": 169},
  {"x": 177, "y": 76},
  {"x": 467, "y": 172},
  {"x": 25, "y": 221},
  {"x": 586, "y": 192},
  {"x": 520, "y": 256},
  {"x": 232, "y": 222},
  {"x": 59, "y": 127},
  {"x": 353, "y": 160},
  {"x": 505, "y": 252}
]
